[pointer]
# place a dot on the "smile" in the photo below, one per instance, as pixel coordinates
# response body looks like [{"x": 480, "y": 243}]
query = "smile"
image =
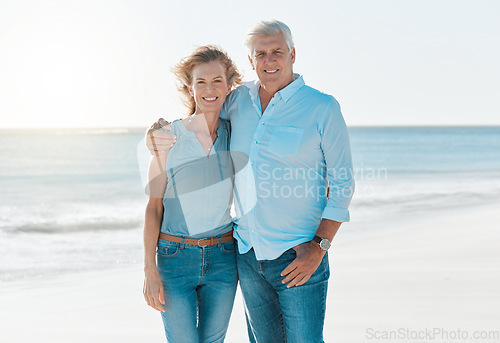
[
  {"x": 210, "y": 99},
  {"x": 271, "y": 71}
]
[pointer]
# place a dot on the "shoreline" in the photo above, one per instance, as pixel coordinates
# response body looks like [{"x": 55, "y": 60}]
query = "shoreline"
[
  {"x": 360, "y": 228},
  {"x": 439, "y": 271}
]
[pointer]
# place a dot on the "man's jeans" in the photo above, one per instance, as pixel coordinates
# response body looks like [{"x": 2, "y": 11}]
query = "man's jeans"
[
  {"x": 278, "y": 314},
  {"x": 200, "y": 285}
]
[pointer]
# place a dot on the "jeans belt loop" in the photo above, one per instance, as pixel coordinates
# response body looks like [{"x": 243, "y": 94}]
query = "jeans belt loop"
[
  {"x": 182, "y": 242},
  {"x": 219, "y": 237}
]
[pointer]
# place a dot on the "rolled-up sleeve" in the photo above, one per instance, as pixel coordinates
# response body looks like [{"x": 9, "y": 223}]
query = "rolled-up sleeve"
[{"x": 337, "y": 153}]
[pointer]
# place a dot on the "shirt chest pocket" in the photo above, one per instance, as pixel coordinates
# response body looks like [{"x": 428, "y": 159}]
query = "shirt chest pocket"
[{"x": 285, "y": 141}]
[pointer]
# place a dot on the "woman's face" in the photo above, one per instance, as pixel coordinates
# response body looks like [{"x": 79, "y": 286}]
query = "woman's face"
[{"x": 209, "y": 87}]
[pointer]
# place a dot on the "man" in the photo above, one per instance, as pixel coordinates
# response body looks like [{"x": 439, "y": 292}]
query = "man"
[{"x": 298, "y": 150}]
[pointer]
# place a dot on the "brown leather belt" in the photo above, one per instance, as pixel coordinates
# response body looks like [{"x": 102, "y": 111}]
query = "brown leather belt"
[{"x": 227, "y": 237}]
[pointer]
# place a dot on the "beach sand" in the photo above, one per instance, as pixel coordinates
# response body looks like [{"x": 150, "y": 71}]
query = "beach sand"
[{"x": 441, "y": 272}]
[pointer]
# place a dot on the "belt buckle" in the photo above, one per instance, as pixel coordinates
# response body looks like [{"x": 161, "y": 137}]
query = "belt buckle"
[{"x": 200, "y": 244}]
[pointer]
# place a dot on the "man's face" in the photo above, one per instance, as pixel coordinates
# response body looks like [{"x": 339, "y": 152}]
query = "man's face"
[{"x": 273, "y": 62}]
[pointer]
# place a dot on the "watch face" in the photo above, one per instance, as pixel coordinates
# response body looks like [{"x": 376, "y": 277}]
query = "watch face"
[{"x": 324, "y": 244}]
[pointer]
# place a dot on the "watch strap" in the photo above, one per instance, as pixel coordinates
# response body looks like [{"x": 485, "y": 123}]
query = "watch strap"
[{"x": 317, "y": 239}]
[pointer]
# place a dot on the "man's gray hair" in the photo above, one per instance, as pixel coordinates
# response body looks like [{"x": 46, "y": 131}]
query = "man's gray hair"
[{"x": 268, "y": 28}]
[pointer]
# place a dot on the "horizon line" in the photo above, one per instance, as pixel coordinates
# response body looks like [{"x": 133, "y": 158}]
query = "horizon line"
[{"x": 146, "y": 126}]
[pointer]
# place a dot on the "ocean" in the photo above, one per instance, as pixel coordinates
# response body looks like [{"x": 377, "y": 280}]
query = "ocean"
[{"x": 73, "y": 200}]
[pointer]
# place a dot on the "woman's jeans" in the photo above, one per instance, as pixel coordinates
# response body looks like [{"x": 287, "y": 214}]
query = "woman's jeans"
[
  {"x": 200, "y": 285},
  {"x": 276, "y": 314}
]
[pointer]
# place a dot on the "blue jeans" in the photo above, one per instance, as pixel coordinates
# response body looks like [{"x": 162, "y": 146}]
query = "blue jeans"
[
  {"x": 200, "y": 285},
  {"x": 277, "y": 314}
]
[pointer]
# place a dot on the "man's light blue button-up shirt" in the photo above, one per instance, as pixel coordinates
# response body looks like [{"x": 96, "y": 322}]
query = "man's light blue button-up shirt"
[{"x": 298, "y": 148}]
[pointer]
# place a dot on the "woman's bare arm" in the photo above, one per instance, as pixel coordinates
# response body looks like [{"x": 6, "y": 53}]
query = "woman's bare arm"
[{"x": 157, "y": 181}]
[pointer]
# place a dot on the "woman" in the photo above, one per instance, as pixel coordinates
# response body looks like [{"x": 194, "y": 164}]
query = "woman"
[{"x": 187, "y": 224}]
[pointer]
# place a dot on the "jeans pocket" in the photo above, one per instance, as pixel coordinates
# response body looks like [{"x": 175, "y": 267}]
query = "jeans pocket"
[
  {"x": 228, "y": 247},
  {"x": 289, "y": 254},
  {"x": 167, "y": 249}
]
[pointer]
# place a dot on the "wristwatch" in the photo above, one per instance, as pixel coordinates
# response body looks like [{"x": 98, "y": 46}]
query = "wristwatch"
[{"x": 323, "y": 243}]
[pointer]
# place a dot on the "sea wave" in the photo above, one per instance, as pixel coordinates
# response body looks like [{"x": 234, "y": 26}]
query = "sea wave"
[
  {"x": 54, "y": 227},
  {"x": 430, "y": 202},
  {"x": 61, "y": 218}
]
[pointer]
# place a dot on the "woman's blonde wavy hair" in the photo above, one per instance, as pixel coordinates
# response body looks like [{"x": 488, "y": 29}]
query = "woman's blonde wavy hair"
[{"x": 204, "y": 54}]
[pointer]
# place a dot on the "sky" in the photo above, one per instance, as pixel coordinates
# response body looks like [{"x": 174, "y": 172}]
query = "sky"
[{"x": 87, "y": 63}]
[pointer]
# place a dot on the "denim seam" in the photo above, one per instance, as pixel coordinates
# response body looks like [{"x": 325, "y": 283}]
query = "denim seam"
[
  {"x": 324, "y": 267},
  {"x": 205, "y": 256},
  {"x": 202, "y": 271},
  {"x": 261, "y": 270},
  {"x": 325, "y": 287},
  {"x": 323, "y": 308},
  {"x": 283, "y": 327},
  {"x": 208, "y": 260}
]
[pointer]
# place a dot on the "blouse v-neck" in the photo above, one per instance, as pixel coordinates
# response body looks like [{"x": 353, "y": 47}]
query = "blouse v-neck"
[{"x": 193, "y": 135}]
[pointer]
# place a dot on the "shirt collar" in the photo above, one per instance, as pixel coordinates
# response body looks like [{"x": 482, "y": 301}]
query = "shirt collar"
[{"x": 286, "y": 93}]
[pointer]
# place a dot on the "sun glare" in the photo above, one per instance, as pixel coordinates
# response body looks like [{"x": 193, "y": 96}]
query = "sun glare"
[
  {"x": 53, "y": 80},
  {"x": 57, "y": 70},
  {"x": 51, "y": 67}
]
